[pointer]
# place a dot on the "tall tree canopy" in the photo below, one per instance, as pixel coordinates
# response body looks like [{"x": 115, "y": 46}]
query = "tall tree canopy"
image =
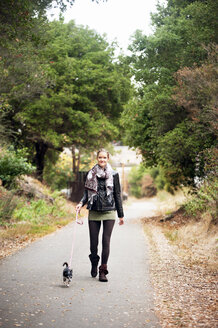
[
  {"x": 155, "y": 121},
  {"x": 80, "y": 93}
]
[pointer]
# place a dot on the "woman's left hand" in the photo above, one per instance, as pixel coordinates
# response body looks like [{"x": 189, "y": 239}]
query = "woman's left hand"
[
  {"x": 121, "y": 221},
  {"x": 78, "y": 207}
]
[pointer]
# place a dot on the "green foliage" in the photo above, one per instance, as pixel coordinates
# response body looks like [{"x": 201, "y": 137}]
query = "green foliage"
[
  {"x": 58, "y": 170},
  {"x": 5, "y": 130},
  {"x": 179, "y": 151},
  {"x": 57, "y": 175},
  {"x": 13, "y": 164},
  {"x": 134, "y": 179},
  {"x": 66, "y": 90},
  {"x": 159, "y": 179},
  {"x": 204, "y": 199},
  {"x": 171, "y": 110},
  {"x": 8, "y": 203},
  {"x": 19, "y": 18},
  {"x": 172, "y": 235},
  {"x": 146, "y": 181},
  {"x": 24, "y": 216},
  {"x": 197, "y": 91},
  {"x": 39, "y": 211},
  {"x": 147, "y": 118}
]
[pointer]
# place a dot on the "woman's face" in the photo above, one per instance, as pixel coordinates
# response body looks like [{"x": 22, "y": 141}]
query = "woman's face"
[{"x": 102, "y": 159}]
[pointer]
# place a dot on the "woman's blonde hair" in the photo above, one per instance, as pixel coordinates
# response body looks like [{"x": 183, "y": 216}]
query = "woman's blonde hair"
[{"x": 103, "y": 151}]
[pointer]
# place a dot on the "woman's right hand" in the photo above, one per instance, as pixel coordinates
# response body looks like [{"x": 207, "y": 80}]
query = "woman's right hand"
[{"x": 78, "y": 207}]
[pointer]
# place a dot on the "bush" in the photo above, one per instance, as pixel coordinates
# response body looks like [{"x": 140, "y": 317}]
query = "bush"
[
  {"x": 12, "y": 165},
  {"x": 135, "y": 180},
  {"x": 144, "y": 182},
  {"x": 39, "y": 211},
  {"x": 8, "y": 204},
  {"x": 159, "y": 178},
  {"x": 58, "y": 170},
  {"x": 205, "y": 200}
]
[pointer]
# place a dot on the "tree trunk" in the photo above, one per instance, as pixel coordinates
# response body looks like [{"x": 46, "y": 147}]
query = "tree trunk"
[
  {"x": 73, "y": 159},
  {"x": 41, "y": 149},
  {"x": 78, "y": 161}
]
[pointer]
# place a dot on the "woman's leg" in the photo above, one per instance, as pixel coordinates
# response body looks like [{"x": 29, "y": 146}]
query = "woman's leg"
[
  {"x": 107, "y": 230},
  {"x": 94, "y": 228}
]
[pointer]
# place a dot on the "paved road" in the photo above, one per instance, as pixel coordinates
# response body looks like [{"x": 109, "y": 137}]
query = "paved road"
[{"x": 32, "y": 293}]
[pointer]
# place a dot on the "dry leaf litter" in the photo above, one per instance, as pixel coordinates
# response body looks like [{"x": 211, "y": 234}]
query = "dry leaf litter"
[{"x": 185, "y": 295}]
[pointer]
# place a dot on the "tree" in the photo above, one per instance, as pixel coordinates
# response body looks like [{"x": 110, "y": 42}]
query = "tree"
[
  {"x": 163, "y": 124},
  {"x": 23, "y": 26},
  {"x": 197, "y": 91},
  {"x": 59, "y": 84},
  {"x": 85, "y": 94}
]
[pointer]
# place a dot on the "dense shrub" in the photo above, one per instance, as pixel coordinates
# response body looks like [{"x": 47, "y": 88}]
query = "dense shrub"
[
  {"x": 134, "y": 179},
  {"x": 145, "y": 182},
  {"x": 12, "y": 165},
  {"x": 8, "y": 203},
  {"x": 204, "y": 198},
  {"x": 39, "y": 211}
]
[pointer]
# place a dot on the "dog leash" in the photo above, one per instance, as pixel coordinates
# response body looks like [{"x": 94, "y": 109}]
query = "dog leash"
[{"x": 78, "y": 221}]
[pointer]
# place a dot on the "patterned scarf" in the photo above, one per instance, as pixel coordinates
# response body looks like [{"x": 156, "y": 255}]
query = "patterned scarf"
[{"x": 92, "y": 183}]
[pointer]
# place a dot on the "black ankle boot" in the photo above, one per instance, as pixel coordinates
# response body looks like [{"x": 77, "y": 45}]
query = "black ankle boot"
[
  {"x": 94, "y": 260},
  {"x": 103, "y": 272}
]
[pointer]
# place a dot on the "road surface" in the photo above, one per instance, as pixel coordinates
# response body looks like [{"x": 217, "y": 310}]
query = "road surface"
[{"x": 33, "y": 295}]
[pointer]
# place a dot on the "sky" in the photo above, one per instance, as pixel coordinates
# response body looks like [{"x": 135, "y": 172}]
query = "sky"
[{"x": 119, "y": 19}]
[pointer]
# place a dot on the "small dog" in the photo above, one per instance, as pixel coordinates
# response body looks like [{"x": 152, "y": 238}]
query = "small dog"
[{"x": 67, "y": 275}]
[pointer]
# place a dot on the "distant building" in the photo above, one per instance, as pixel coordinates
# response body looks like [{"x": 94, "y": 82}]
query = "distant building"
[
  {"x": 122, "y": 161},
  {"x": 125, "y": 155}
]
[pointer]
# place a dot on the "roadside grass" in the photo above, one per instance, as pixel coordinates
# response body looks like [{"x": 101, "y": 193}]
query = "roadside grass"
[
  {"x": 23, "y": 218},
  {"x": 168, "y": 203},
  {"x": 39, "y": 211},
  {"x": 197, "y": 241},
  {"x": 192, "y": 229},
  {"x": 194, "y": 242},
  {"x": 8, "y": 203},
  {"x": 171, "y": 235}
]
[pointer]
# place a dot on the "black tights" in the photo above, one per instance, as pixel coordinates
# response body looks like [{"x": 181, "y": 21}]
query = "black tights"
[{"x": 94, "y": 228}]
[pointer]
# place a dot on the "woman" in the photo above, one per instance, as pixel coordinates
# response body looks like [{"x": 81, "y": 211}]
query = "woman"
[{"x": 103, "y": 196}]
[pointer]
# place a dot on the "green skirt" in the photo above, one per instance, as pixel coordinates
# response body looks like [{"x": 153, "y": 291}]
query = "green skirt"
[{"x": 101, "y": 216}]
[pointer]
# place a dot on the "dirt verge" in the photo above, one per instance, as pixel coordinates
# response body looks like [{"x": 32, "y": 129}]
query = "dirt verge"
[{"x": 185, "y": 290}]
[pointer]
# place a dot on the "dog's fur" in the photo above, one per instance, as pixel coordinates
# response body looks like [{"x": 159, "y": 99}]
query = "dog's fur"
[{"x": 67, "y": 274}]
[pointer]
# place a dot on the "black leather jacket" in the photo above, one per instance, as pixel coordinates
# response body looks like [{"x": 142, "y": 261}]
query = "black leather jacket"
[{"x": 102, "y": 202}]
